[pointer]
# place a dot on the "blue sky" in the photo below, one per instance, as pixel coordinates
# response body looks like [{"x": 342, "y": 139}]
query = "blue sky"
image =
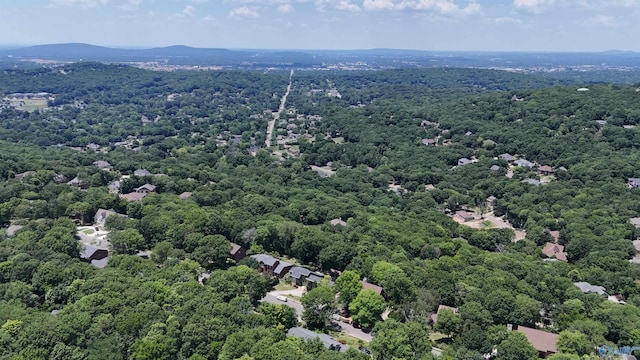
[{"x": 484, "y": 25}]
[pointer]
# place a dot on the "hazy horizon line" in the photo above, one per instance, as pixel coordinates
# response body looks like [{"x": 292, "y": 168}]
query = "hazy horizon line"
[{"x": 147, "y": 47}]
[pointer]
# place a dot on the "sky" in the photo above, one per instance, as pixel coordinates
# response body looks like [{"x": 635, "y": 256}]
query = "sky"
[{"x": 440, "y": 25}]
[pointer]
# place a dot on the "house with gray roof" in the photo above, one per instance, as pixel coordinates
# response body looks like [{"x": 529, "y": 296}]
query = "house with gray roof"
[
  {"x": 142, "y": 172},
  {"x": 464, "y": 161},
  {"x": 507, "y": 157},
  {"x": 535, "y": 182},
  {"x": 304, "y": 277},
  {"x": 282, "y": 269},
  {"x": 524, "y": 163},
  {"x": 94, "y": 255},
  {"x": 267, "y": 262},
  {"x": 146, "y": 189},
  {"x": 101, "y": 216},
  {"x": 587, "y": 288},
  {"x": 328, "y": 342},
  {"x": 633, "y": 182}
]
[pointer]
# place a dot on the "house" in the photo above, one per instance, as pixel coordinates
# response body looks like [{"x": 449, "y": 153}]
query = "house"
[
  {"x": 101, "y": 216},
  {"x": 98, "y": 257},
  {"x": 429, "y": 141},
  {"x": 267, "y": 263},
  {"x": 76, "y": 182},
  {"x": 338, "y": 221},
  {"x": 552, "y": 250},
  {"x": 299, "y": 275},
  {"x": 524, "y": 163},
  {"x": 633, "y": 182},
  {"x": 94, "y": 147},
  {"x": 464, "y": 161},
  {"x": 535, "y": 182},
  {"x": 114, "y": 186},
  {"x": 368, "y": 285},
  {"x": 465, "y": 216},
  {"x": 12, "y": 229},
  {"x": 429, "y": 187},
  {"x": 24, "y": 175},
  {"x": 134, "y": 196},
  {"x": 434, "y": 317},
  {"x": 494, "y": 168},
  {"x": 145, "y": 189},
  {"x": 328, "y": 342},
  {"x": 427, "y": 123},
  {"x": 544, "y": 342},
  {"x": 237, "y": 252},
  {"x": 282, "y": 269},
  {"x": 304, "y": 277},
  {"x": 102, "y": 165},
  {"x": 587, "y": 288},
  {"x": 142, "y": 172},
  {"x": 507, "y": 157},
  {"x": 59, "y": 179},
  {"x": 545, "y": 170},
  {"x": 185, "y": 195},
  {"x": 555, "y": 235}
]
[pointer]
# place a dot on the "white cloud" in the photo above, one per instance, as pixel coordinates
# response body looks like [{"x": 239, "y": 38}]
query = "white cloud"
[
  {"x": 124, "y": 5},
  {"x": 346, "y": 5},
  {"x": 601, "y": 20},
  {"x": 130, "y": 5},
  {"x": 378, "y": 5},
  {"x": 507, "y": 20},
  {"x": 189, "y": 10},
  {"x": 244, "y": 11},
  {"x": 446, "y": 7},
  {"x": 533, "y": 6},
  {"x": 84, "y": 4},
  {"x": 285, "y": 8}
]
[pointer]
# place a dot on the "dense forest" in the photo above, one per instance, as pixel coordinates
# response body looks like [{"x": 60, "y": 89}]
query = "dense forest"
[{"x": 370, "y": 176}]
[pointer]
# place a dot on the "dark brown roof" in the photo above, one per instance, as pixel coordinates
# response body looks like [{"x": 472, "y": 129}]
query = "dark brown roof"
[
  {"x": 545, "y": 168},
  {"x": 541, "y": 340},
  {"x": 554, "y": 250},
  {"x": 376, "y": 288},
  {"x": 235, "y": 248}
]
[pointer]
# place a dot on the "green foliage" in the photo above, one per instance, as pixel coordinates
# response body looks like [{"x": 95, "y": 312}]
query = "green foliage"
[
  {"x": 367, "y": 308},
  {"x": 574, "y": 342},
  {"x": 396, "y": 340},
  {"x": 516, "y": 346},
  {"x": 347, "y": 285},
  {"x": 319, "y": 304}
]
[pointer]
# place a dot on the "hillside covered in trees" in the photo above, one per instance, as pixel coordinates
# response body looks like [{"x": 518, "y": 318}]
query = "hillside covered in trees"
[{"x": 399, "y": 177}]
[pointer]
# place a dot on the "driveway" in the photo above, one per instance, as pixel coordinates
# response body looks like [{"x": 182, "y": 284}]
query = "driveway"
[
  {"x": 294, "y": 304},
  {"x": 297, "y": 306}
]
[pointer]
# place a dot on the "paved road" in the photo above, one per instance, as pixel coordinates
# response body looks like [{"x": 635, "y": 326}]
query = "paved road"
[
  {"x": 295, "y": 305},
  {"x": 276, "y": 116},
  {"x": 271, "y": 298}
]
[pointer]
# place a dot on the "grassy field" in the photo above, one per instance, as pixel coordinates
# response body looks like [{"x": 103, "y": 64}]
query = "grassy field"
[
  {"x": 283, "y": 285},
  {"x": 31, "y": 104}
]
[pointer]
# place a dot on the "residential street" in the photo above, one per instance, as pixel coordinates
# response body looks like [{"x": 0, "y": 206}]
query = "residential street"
[{"x": 295, "y": 305}]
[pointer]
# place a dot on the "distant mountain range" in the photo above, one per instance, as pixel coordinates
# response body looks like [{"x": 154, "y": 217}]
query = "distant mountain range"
[
  {"x": 177, "y": 54},
  {"x": 325, "y": 59}
]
